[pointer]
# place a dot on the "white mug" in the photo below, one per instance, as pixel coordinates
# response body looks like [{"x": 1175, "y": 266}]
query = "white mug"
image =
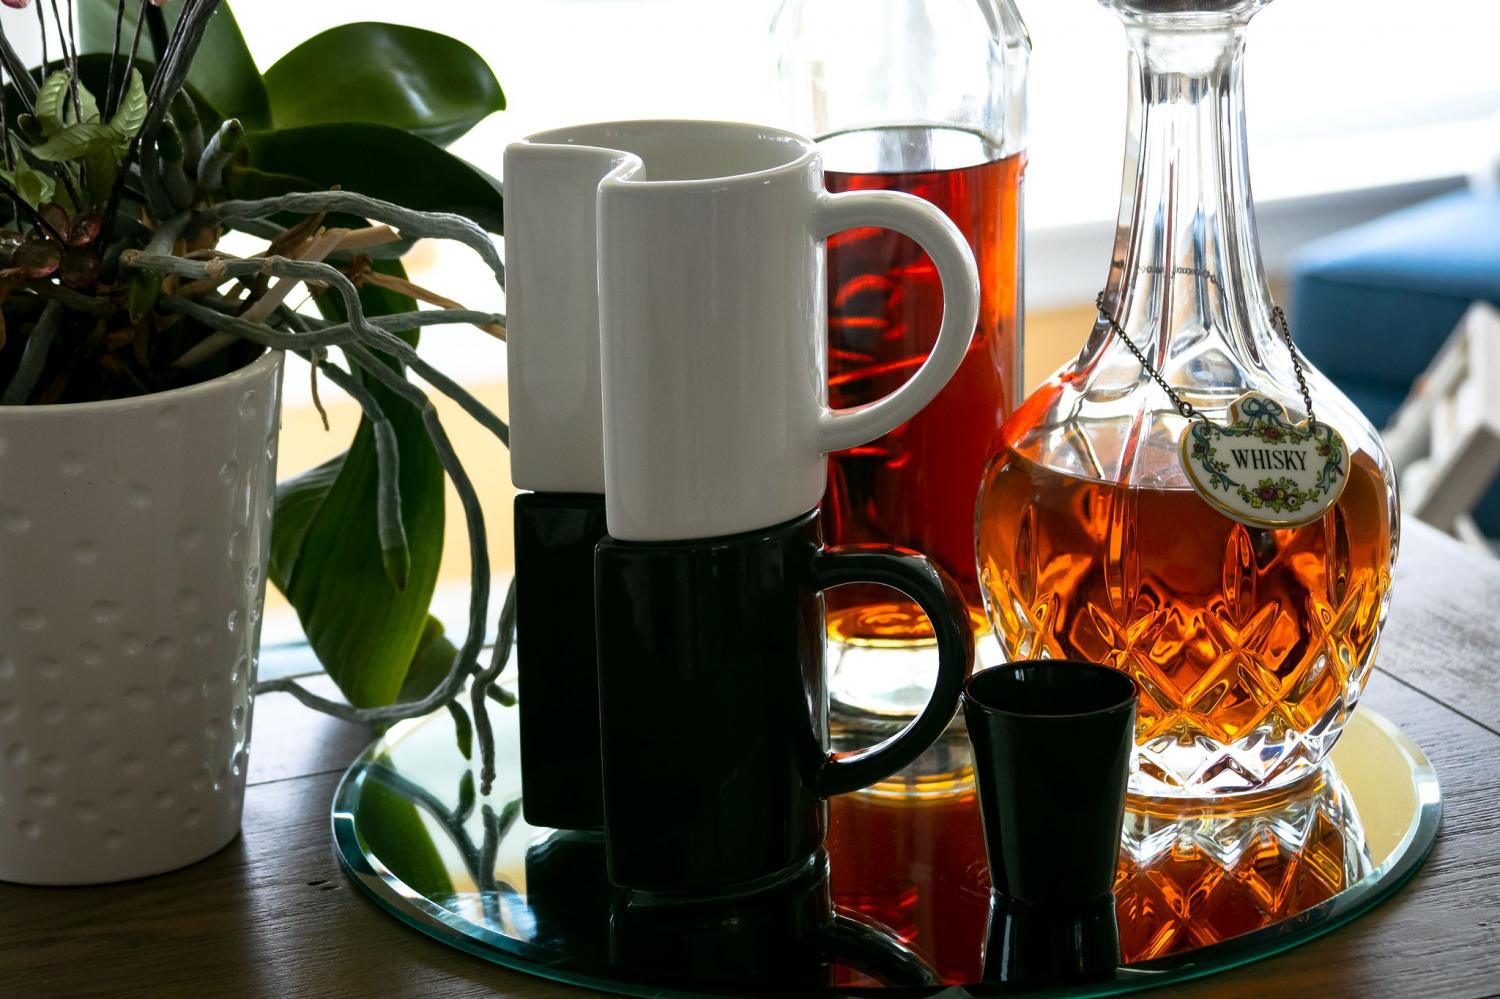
[
  {"x": 552, "y": 316},
  {"x": 712, "y": 312}
]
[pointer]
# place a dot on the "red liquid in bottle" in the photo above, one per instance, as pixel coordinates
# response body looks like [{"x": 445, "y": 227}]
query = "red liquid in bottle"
[{"x": 916, "y": 485}]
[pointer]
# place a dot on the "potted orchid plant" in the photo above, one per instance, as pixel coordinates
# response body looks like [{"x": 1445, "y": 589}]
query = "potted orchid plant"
[{"x": 140, "y": 365}]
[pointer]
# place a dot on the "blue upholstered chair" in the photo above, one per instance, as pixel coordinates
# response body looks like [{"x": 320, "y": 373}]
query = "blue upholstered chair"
[{"x": 1371, "y": 305}]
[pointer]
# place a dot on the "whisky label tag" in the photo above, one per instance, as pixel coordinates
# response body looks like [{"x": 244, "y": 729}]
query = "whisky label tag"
[{"x": 1262, "y": 469}]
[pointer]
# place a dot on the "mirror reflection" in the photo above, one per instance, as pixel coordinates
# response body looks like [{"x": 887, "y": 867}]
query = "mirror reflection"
[{"x": 901, "y": 897}]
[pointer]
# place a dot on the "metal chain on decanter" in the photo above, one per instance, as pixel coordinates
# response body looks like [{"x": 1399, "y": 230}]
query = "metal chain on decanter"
[
  {"x": 1286, "y": 334},
  {"x": 1188, "y": 411}
]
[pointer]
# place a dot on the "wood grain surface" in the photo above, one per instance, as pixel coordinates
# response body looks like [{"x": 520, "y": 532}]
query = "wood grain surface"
[{"x": 272, "y": 915}]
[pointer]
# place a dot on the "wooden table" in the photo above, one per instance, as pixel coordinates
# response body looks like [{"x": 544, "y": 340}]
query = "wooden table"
[{"x": 272, "y": 915}]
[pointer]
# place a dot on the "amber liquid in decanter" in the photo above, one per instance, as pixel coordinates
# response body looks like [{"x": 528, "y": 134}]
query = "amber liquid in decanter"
[
  {"x": 1238, "y": 636},
  {"x": 915, "y": 486}
]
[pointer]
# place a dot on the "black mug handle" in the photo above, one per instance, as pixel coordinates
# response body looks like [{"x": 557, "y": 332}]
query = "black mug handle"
[
  {"x": 867, "y": 946},
  {"x": 939, "y": 597}
]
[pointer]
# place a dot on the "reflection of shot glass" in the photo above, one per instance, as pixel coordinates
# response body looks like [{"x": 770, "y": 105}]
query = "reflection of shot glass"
[{"x": 1052, "y": 743}]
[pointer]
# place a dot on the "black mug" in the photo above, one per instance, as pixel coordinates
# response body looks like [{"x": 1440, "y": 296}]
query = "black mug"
[
  {"x": 557, "y": 658},
  {"x": 713, "y": 700}
]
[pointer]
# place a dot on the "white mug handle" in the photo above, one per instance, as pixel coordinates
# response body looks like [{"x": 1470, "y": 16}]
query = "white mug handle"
[{"x": 934, "y": 232}]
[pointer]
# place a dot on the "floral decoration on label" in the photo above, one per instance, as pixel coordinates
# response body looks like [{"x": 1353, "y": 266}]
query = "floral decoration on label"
[{"x": 1262, "y": 469}]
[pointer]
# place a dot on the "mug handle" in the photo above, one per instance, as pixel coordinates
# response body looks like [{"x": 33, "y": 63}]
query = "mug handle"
[
  {"x": 924, "y": 222},
  {"x": 868, "y": 946},
  {"x": 939, "y": 597}
]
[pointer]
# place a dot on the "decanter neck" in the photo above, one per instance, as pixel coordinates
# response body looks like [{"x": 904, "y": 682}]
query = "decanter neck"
[{"x": 1186, "y": 263}]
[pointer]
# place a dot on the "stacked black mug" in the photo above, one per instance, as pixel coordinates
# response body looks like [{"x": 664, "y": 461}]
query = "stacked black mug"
[{"x": 686, "y": 716}]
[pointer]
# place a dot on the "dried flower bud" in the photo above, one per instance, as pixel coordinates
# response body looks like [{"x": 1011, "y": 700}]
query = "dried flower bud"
[
  {"x": 80, "y": 268},
  {"x": 56, "y": 216},
  {"x": 84, "y": 230},
  {"x": 37, "y": 258}
]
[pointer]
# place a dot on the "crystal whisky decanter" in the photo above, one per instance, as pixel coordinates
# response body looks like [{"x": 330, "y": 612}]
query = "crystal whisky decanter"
[{"x": 1251, "y": 644}]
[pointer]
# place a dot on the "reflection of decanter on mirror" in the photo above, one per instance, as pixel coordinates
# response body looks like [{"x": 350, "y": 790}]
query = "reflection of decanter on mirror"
[
  {"x": 925, "y": 97},
  {"x": 1195, "y": 875},
  {"x": 1251, "y": 644}
]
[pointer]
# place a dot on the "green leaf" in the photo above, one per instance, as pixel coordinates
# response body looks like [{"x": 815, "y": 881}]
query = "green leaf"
[
  {"x": 35, "y": 187},
  {"x": 389, "y": 74},
  {"x": 326, "y": 554},
  {"x": 50, "y": 99},
  {"x": 54, "y": 103},
  {"x": 395, "y": 831},
  {"x": 297, "y": 502},
  {"x": 466, "y": 793},
  {"x": 141, "y": 293},
  {"x": 377, "y": 160},
  {"x": 223, "y": 71},
  {"x": 75, "y": 141},
  {"x": 127, "y": 121},
  {"x": 87, "y": 103},
  {"x": 101, "y": 167},
  {"x": 463, "y": 731},
  {"x": 93, "y": 69},
  {"x": 429, "y": 667}
]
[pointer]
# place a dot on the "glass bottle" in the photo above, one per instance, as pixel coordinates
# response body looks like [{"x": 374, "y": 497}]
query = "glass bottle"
[
  {"x": 1251, "y": 645},
  {"x": 926, "y": 97}
]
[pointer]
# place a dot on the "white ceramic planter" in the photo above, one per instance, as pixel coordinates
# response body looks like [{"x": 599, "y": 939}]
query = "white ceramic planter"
[{"x": 133, "y": 543}]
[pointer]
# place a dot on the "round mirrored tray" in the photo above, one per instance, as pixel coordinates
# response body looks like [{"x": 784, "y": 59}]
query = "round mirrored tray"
[{"x": 900, "y": 904}]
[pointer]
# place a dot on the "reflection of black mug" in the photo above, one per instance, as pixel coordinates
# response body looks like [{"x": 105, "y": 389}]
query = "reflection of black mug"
[
  {"x": 569, "y": 894},
  {"x": 780, "y": 939},
  {"x": 714, "y": 702}
]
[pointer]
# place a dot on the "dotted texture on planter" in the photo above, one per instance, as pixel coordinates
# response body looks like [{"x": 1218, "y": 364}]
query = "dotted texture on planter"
[{"x": 133, "y": 537}]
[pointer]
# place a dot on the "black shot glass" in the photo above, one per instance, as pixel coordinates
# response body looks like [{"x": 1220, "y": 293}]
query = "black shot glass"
[
  {"x": 713, "y": 700},
  {"x": 557, "y": 658},
  {"x": 1052, "y": 743}
]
